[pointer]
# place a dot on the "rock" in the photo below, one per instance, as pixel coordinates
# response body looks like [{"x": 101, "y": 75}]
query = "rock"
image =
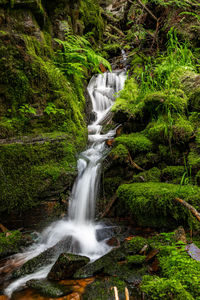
[
  {"x": 66, "y": 265},
  {"x": 49, "y": 289},
  {"x": 113, "y": 242},
  {"x": 180, "y": 235},
  {"x": 35, "y": 263}
]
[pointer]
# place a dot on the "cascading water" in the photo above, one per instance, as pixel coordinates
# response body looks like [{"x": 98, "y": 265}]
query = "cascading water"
[{"x": 80, "y": 225}]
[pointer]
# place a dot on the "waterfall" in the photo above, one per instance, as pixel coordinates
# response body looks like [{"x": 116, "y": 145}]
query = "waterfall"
[{"x": 80, "y": 225}]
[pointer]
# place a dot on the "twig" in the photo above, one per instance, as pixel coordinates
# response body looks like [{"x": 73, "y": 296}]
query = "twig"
[
  {"x": 109, "y": 206},
  {"x": 147, "y": 10},
  {"x": 191, "y": 208},
  {"x": 116, "y": 293},
  {"x": 134, "y": 164},
  {"x": 126, "y": 293}
]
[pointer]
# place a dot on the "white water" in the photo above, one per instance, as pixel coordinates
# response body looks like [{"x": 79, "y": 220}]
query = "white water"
[{"x": 80, "y": 224}]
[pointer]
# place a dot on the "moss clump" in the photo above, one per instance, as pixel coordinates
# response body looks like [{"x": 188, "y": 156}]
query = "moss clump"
[
  {"x": 152, "y": 203},
  {"x": 182, "y": 130},
  {"x": 136, "y": 259},
  {"x": 194, "y": 159},
  {"x": 173, "y": 174},
  {"x": 119, "y": 153},
  {"x": 152, "y": 175},
  {"x": 27, "y": 169},
  {"x": 161, "y": 288},
  {"x": 10, "y": 242},
  {"x": 135, "y": 142},
  {"x": 136, "y": 244}
]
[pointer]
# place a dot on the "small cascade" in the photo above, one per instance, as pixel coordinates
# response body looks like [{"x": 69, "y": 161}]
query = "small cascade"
[{"x": 80, "y": 226}]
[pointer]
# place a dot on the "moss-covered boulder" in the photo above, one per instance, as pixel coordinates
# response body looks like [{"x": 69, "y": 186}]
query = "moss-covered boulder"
[
  {"x": 152, "y": 175},
  {"x": 173, "y": 174},
  {"x": 35, "y": 169},
  {"x": 135, "y": 142},
  {"x": 152, "y": 204}
]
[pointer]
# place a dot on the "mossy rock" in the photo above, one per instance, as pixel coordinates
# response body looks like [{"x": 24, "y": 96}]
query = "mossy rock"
[
  {"x": 136, "y": 244},
  {"x": 49, "y": 289},
  {"x": 135, "y": 142},
  {"x": 66, "y": 265},
  {"x": 29, "y": 169},
  {"x": 119, "y": 153},
  {"x": 152, "y": 204},
  {"x": 10, "y": 243},
  {"x": 173, "y": 174},
  {"x": 152, "y": 175}
]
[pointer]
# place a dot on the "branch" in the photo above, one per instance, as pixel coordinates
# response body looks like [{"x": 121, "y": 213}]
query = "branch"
[
  {"x": 133, "y": 163},
  {"x": 147, "y": 10},
  {"x": 109, "y": 206},
  {"x": 191, "y": 208}
]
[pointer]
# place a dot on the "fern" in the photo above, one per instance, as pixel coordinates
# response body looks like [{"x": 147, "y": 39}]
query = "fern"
[{"x": 76, "y": 55}]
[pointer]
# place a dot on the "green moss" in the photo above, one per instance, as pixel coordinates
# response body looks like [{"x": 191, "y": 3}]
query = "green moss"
[
  {"x": 152, "y": 175},
  {"x": 10, "y": 242},
  {"x": 194, "y": 159},
  {"x": 136, "y": 244},
  {"x": 173, "y": 174},
  {"x": 162, "y": 288},
  {"x": 120, "y": 152},
  {"x": 91, "y": 17},
  {"x": 28, "y": 169},
  {"x": 135, "y": 142},
  {"x": 136, "y": 259},
  {"x": 182, "y": 130},
  {"x": 111, "y": 184},
  {"x": 152, "y": 204}
]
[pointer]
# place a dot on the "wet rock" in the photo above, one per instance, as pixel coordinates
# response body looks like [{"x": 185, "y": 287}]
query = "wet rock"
[
  {"x": 66, "y": 266},
  {"x": 35, "y": 263},
  {"x": 113, "y": 242},
  {"x": 49, "y": 289}
]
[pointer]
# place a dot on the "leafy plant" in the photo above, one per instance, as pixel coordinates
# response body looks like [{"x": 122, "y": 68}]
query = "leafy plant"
[
  {"x": 27, "y": 109},
  {"x": 52, "y": 109},
  {"x": 76, "y": 55}
]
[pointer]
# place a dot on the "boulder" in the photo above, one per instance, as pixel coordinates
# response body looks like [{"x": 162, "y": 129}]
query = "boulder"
[{"x": 66, "y": 265}]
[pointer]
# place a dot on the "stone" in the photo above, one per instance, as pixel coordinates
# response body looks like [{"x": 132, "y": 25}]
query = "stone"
[
  {"x": 49, "y": 289},
  {"x": 66, "y": 265},
  {"x": 180, "y": 235}
]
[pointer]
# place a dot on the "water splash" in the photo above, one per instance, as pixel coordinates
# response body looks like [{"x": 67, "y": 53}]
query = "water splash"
[{"x": 80, "y": 225}]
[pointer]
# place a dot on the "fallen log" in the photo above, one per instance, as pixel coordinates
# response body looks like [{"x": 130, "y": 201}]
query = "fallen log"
[
  {"x": 191, "y": 208},
  {"x": 134, "y": 164}
]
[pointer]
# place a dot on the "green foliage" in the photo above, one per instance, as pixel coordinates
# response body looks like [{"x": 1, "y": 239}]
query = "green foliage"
[
  {"x": 135, "y": 142},
  {"x": 26, "y": 109},
  {"x": 51, "y": 109},
  {"x": 77, "y": 56}
]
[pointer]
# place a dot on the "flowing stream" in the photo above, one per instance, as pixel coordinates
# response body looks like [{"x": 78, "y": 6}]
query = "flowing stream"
[{"x": 80, "y": 226}]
